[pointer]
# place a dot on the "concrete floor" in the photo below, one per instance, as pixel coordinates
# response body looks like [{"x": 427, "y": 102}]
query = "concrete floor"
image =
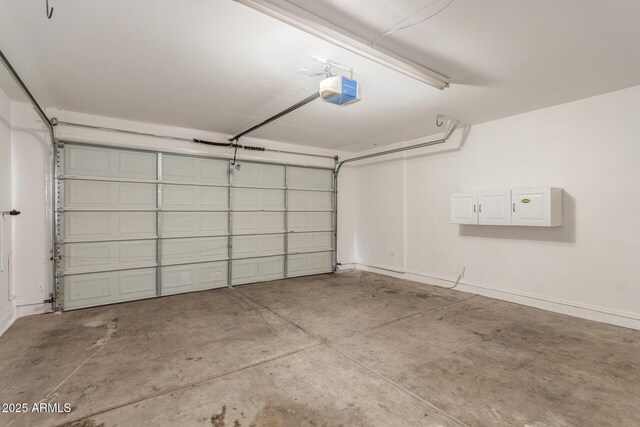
[{"x": 348, "y": 349}]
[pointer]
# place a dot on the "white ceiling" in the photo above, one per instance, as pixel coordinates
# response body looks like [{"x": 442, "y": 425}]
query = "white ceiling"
[{"x": 217, "y": 65}]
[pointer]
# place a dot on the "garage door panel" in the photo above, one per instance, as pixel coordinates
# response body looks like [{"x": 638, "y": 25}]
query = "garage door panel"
[
  {"x": 195, "y": 170},
  {"x": 87, "y": 290},
  {"x": 310, "y": 200},
  {"x": 257, "y": 222},
  {"x": 194, "y": 224},
  {"x": 312, "y": 179},
  {"x": 310, "y": 242},
  {"x": 194, "y": 198},
  {"x": 259, "y": 175},
  {"x": 98, "y": 256},
  {"x": 176, "y": 251},
  {"x": 109, "y": 195},
  {"x": 310, "y": 221},
  {"x": 257, "y": 270},
  {"x": 307, "y": 264},
  {"x": 138, "y": 283},
  {"x": 115, "y": 233},
  {"x": 257, "y": 198},
  {"x": 109, "y": 225},
  {"x": 90, "y": 289},
  {"x": 109, "y": 163},
  {"x": 252, "y": 246},
  {"x": 193, "y": 277}
]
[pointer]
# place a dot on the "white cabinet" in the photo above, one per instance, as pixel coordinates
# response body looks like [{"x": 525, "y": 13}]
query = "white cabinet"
[
  {"x": 483, "y": 207},
  {"x": 464, "y": 208},
  {"x": 494, "y": 207},
  {"x": 541, "y": 207}
]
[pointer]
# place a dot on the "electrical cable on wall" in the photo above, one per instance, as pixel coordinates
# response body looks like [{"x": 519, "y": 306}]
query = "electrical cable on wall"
[{"x": 457, "y": 282}]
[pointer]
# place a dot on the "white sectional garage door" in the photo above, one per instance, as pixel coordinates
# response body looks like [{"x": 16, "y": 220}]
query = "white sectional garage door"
[{"x": 138, "y": 224}]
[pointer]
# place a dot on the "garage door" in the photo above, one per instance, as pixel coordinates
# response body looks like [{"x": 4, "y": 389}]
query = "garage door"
[{"x": 138, "y": 224}]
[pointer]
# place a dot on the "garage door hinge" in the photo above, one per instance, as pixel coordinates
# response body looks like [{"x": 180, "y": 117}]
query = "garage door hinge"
[{"x": 51, "y": 300}]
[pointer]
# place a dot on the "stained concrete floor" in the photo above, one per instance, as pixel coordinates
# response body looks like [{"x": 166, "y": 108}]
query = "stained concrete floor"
[{"x": 348, "y": 349}]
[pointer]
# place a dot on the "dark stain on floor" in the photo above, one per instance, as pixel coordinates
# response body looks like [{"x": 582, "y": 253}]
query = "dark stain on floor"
[
  {"x": 217, "y": 420},
  {"x": 282, "y": 412}
]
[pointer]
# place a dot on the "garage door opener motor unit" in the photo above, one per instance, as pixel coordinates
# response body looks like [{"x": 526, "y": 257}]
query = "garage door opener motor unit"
[{"x": 339, "y": 90}]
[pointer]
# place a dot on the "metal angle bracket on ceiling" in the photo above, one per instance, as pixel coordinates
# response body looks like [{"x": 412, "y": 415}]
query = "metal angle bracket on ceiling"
[
  {"x": 328, "y": 65},
  {"x": 452, "y": 124}
]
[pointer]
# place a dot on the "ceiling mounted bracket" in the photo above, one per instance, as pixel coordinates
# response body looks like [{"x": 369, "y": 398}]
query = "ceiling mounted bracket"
[
  {"x": 451, "y": 124},
  {"x": 329, "y": 65}
]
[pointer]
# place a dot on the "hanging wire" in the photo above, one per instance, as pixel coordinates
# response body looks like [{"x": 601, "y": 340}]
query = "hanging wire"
[
  {"x": 395, "y": 27},
  {"x": 49, "y": 11}
]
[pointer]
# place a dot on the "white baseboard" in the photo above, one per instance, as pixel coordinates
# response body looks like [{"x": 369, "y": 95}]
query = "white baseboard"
[
  {"x": 556, "y": 305},
  {"x": 347, "y": 266},
  {"x": 31, "y": 309},
  {"x": 7, "y": 317}
]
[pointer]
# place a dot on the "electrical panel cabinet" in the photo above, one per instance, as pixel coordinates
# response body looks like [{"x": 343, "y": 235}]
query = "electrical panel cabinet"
[{"x": 538, "y": 207}]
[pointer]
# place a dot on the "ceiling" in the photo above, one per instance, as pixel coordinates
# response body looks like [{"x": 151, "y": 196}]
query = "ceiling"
[{"x": 219, "y": 66}]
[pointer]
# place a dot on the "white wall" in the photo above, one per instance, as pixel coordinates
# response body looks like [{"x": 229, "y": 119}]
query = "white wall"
[
  {"x": 7, "y": 313},
  {"x": 588, "y": 267},
  {"x": 380, "y": 233},
  {"x": 346, "y": 218},
  {"x": 394, "y": 213},
  {"x": 30, "y": 156},
  {"x": 31, "y": 162}
]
